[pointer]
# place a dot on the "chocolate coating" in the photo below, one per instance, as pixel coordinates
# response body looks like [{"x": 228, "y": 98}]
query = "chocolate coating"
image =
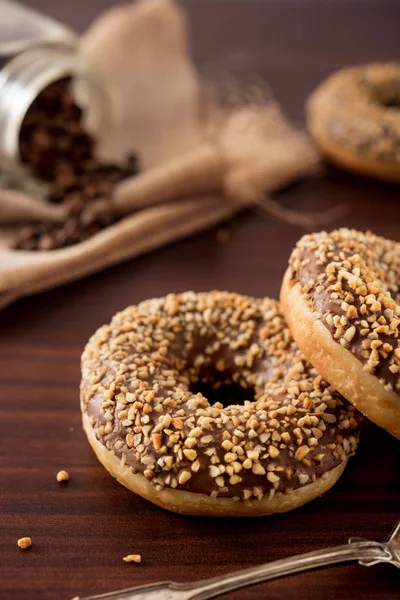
[
  {"x": 357, "y": 108},
  {"x": 351, "y": 282},
  {"x": 137, "y": 377}
]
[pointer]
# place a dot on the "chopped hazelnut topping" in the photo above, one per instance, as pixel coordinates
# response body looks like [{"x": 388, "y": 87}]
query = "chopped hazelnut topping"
[
  {"x": 138, "y": 374},
  {"x": 359, "y": 274}
]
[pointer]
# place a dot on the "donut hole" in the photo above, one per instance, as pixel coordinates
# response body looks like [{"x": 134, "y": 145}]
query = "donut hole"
[
  {"x": 220, "y": 388},
  {"x": 387, "y": 94}
]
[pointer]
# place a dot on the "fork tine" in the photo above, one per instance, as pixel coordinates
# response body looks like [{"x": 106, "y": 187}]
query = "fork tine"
[{"x": 395, "y": 535}]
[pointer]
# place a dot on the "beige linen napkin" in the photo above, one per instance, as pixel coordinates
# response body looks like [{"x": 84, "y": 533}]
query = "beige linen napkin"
[{"x": 204, "y": 158}]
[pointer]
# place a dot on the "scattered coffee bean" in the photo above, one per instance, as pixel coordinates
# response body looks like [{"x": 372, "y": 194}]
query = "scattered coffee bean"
[{"x": 56, "y": 148}]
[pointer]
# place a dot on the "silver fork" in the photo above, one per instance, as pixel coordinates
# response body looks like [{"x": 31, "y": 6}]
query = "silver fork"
[{"x": 366, "y": 552}]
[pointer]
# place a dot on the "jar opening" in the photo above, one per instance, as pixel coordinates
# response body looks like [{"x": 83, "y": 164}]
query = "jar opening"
[{"x": 25, "y": 79}]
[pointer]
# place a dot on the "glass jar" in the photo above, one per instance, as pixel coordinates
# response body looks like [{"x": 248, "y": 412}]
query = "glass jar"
[{"x": 36, "y": 51}]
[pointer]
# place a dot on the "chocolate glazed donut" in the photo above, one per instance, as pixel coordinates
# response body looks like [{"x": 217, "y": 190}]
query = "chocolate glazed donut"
[
  {"x": 341, "y": 299},
  {"x": 285, "y": 439},
  {"x": 354, "y": 118}
]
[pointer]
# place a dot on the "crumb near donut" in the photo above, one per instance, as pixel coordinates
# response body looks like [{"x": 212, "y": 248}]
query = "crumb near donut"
[
  {"x": 146, "y": 422},
  {"x": 24, "y": 543},
  {"x": 62, "y": 476},
  {"x": 223, "y": 235},
  {"x": 136, "y": 558}
]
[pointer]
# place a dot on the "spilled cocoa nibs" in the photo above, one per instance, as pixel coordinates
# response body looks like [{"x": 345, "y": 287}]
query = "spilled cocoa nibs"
[{"x": 55, "y": 147}]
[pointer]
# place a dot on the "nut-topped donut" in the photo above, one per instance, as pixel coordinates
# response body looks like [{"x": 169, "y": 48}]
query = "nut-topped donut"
[
  {"x": 287, "y": 441},
  {"x": 341, "y": 299},
  {"x": 354, "y": 119}
]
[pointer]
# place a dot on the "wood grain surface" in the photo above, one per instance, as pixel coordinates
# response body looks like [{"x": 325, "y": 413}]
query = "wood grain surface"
[{"x": 81, "y": 530}]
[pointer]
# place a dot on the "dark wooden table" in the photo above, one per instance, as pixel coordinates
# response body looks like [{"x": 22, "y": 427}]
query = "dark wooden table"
[{"x": 81, "y": 531}]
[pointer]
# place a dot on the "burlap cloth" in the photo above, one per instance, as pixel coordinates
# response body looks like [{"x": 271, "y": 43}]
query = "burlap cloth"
[{"x": 207, "y": 148}]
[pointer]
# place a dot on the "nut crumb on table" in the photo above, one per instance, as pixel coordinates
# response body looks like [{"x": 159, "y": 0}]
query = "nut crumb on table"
[
  {"x": 62, "y": 476},
  {"x": 24, "y": 542},
  {"x": 223, "y": 235},
  {"x": 136, "y": 558}
]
